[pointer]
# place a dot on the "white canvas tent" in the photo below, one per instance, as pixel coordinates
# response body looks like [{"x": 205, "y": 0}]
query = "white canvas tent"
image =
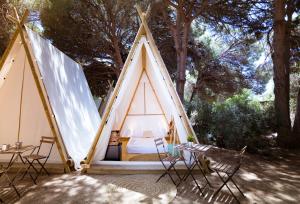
[
  {"x": 43, "y": 92},
  {"x": 144, "y": 98}
]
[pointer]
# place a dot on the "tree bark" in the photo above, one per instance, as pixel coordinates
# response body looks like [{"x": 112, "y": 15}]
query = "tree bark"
[
  {"x": 280, "y": 59},
  {"x": 180, "y": 32},
  {"x": 116, "y": 45},
  {"x": 296, "y": 126},
  {"x": 117, "y": 55},
  {"x": 181, "y": 51}
]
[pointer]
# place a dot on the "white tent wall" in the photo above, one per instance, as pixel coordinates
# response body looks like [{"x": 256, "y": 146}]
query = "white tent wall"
[
  {"x": 71, "y": 101},
  {"x": 166, "y": 99},
  {"x": 33, "y": 121},
  {"x": 121, "y": 103},
  {"x": 128, "y": 88},
  {"x": 145, "y": 113}
]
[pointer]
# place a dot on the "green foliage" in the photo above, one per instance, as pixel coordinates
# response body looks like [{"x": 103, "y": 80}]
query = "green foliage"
[
  {"x": 234, "y": 123},
  {"x": 190, "y": 138}
]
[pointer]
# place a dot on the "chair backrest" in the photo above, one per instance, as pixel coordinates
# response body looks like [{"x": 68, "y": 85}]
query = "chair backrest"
[
  {"x": 46, "y": 140},
  {"x": 241, "y": 154},
  {"x": 159, "y": 143}
]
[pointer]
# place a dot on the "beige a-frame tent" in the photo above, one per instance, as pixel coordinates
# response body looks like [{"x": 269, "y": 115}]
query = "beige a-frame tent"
[
  {"x": 43, "y": 92},
  {"x": 144, "y": 99}
]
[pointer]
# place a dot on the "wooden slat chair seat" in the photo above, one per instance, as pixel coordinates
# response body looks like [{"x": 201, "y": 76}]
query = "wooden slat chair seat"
[
  {"x": 172, "y": 159},
  {"x": 224, "y": 167},
  {"x": 35, "y": 156},
  {"x": 40, "y": 159},
  {"x": 168, "y": 161},
  {"x": 229, "y": 168}
]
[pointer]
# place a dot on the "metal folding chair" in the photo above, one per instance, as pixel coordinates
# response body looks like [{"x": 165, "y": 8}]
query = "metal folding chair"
[
  {"x": 38, "y": 158},
  {"x": 3, "y": 174},
  {"x": 229, "y": 169},
  {"x": 168, "y": 161}
]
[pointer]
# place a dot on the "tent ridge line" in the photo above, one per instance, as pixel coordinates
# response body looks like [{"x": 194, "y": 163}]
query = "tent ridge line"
[{"x": 38, "y": 85}]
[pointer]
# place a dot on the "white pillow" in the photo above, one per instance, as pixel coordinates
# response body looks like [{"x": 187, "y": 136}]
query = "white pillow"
[{"x": 148, "y": 134}]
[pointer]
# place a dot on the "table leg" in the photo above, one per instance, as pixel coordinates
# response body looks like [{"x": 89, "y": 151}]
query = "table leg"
[
  {"x": 19, "y": 170},
  {"x": 189, "y": 173},
  {"x": 11, "y": 161},
  {"x": 198, "y": 163}
]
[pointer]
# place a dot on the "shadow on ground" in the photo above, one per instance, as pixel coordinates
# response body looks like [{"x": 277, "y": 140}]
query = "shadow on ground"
[{"x": 262, "y": 180}]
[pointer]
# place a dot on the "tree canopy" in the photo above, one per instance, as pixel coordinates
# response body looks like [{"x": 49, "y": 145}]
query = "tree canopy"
[{"x": 213, "y": 50}]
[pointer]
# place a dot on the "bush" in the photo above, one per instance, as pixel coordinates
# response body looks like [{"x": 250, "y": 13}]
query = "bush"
[{"x": 234, "y": 123}]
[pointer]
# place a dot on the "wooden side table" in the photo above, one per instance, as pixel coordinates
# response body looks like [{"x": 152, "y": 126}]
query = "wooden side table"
[{"x": 124, "y": 141}]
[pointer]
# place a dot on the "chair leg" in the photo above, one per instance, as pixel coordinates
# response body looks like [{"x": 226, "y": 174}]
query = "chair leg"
[
  {"x": 161, "y": 177},
  {"x": 176, "y": 172},
  {"x": 225, "y": 184},
  {"x": 172, "y": 179},
  {"x": 27, "y": 170},
  {"x": 24, "y": 174},
  {"x": 43, "y": 167},
  {"x": 237, "y": 187},
  {"x": 166, "y": 172},
  {"x": 189, "y": 171}
]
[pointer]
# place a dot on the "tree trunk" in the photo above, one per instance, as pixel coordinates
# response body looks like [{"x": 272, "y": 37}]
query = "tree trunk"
[
  {"x": 117, "y": 55},
  {"x": 182, "y": 58},
  {"x": 296, "y": 126},
  {"x": 181, "y": 67},
  {"x": 280, "y": 58},
  {"x": 115, "y": 42}
]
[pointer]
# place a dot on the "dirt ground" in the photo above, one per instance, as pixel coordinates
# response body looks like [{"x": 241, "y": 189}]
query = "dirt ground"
[{"x": 263, "y": 180}]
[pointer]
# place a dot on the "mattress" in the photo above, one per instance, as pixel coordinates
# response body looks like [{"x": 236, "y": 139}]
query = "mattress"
[{"x": 142, "y": 145}]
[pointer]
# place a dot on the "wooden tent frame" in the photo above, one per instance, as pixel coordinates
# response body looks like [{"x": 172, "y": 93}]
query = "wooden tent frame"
[
  {"x": 38, "y": 81},
  {"x": 143, "y": 30}
]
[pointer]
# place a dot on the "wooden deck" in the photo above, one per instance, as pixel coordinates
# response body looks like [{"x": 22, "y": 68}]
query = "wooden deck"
[{"x": 129, "y": 167}]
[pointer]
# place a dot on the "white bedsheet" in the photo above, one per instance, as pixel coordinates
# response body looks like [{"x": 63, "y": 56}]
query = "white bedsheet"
[{"x": 142, "y": 145}]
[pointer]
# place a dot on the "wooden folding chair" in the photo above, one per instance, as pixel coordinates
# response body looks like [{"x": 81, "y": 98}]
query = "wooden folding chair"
[
  {"x": 168, "y": 161},
  {"x": 3, "y": 174},
  {"x": 38, "y": 158},
  {"x": 229, "y": 169}
]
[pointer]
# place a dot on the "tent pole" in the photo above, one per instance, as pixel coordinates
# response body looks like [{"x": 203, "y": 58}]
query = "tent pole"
[
  {"x": 39, "y": 87},
  {"x": 21, "y": 100}
]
